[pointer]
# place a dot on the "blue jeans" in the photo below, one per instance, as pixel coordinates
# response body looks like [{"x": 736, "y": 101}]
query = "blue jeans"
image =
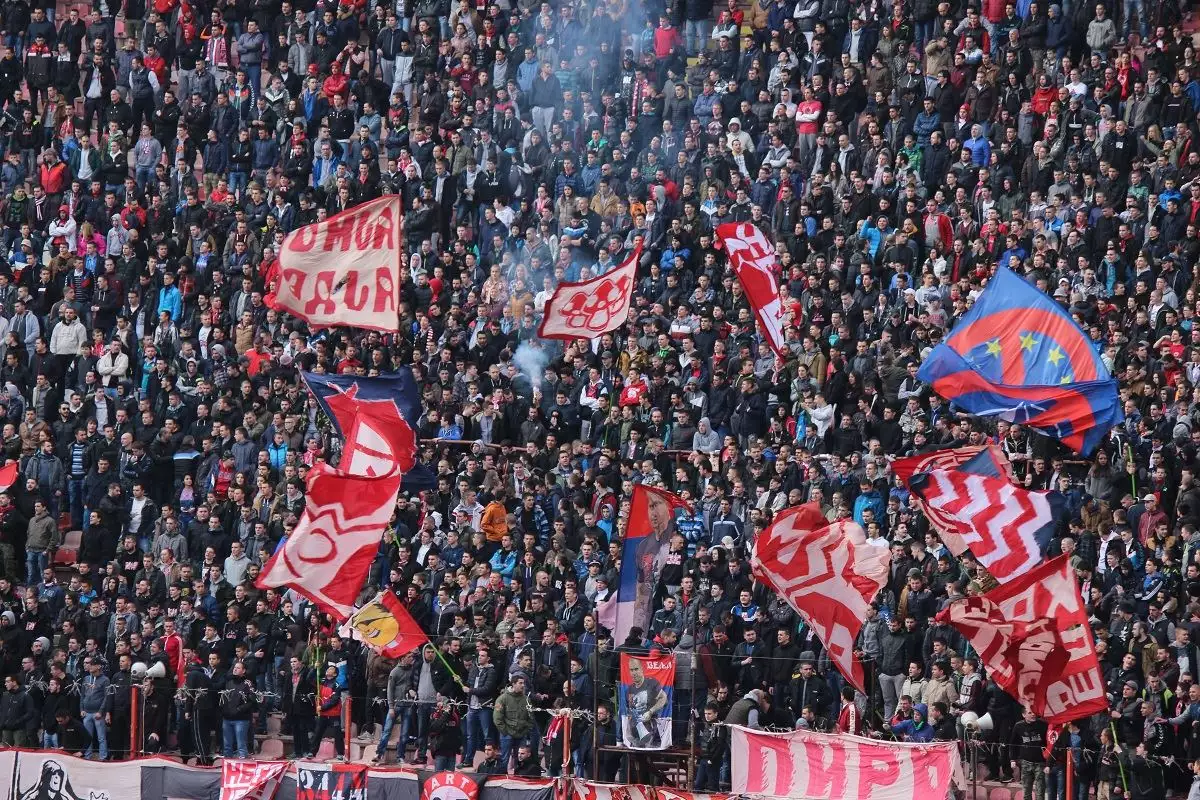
[
  {"x": 238, "y": 182},
  {"x": 35, "y": 562},
  {"x": 416, "y": 723},
  {"x": 98, "y": 729},
  {"x": 143, "y": 176},
  {"x": 75, "y": 502},
  {"x": 706, "y": 776},
  {"x": 1128, "y": 9},
  {"x": 49, "y": 741},
  {"x": 236, "y": 736},
  {"x": 443, "y": 763},
  {"x": 509, "y": 745},
  {"x": 695, "y": 35},
  {"x": 254, "y": 78},
  {"x": 479, "y": 729},
  {"x": 389, "y": 722}
]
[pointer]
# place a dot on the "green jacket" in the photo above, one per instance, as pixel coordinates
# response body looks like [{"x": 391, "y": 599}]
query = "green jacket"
[{"x": 511, "y": 714}]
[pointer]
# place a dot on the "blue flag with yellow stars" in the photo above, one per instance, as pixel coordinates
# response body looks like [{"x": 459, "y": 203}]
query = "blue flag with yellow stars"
[{"x": 1019, "y": 356}]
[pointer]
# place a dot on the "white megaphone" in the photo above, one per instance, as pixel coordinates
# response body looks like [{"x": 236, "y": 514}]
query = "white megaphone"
[
  {"x": 138, "y": 670},
  {"x": 157, "y": 670},
  {"x": 972, "y": 720}
]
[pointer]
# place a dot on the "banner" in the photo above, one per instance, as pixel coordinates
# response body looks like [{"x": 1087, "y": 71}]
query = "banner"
[
  {"x": 375, "y": 417},
  {"x": 588, "y": 309},
  {"x": 385, "y": 625},
  {"x": 251, "y": 780},
  {"x": 450, "y": 786},
  {"x": 754, "y": 262},
  {"x": 652, "y": 515},
  {"x": 644, "y": 701},
  {"x": 1007, "y": 527},
  {"x": 328, "y": 555},
  {"x": 346, "y": 269},
  {"x": 55, "y": 775},
  {"x": 331, "y": 781},
  {"x": 577, "y": 789},
  {"x": 1032, "y": 634},
  {"x": 806, "y": 764},
  {"x": 827, "y": 573}
]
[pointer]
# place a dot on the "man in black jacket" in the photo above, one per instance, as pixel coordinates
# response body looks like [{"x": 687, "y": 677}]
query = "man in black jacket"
[
  {"x": 297, "y": 684},
  {"x": 18, "y": 716},
  {"x": 238, "y": 702}
]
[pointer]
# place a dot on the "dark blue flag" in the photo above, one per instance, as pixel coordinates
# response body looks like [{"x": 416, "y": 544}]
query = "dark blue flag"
[
  {"x": 1019, "y": 356},
  {"x": 376, "y": 418}
]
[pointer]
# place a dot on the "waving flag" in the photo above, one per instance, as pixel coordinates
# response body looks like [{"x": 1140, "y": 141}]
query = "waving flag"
[
  {"x": 589, "y": 309},
  {"x": 375, "y": 417},
  {"x": 328, "y": 556},
  {"x": 827, "y": 573},
  {"x": 1032, "y": 634},
  {"x": 1017, "y": 355},
  {"x": 1006, "y": 527},
  {"x": 385, "y": 625},
  {"x": 648, "y": 535},
  {"x": 345, "y": 270},
  {"x": 995, "y": 463},
  {"x": 753, "y": 259}
]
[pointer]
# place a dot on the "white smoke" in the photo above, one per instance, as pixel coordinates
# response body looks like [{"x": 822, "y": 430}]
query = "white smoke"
[{"x": 531, "y": 360}]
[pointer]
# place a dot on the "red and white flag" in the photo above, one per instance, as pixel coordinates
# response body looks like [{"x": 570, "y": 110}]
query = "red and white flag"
[
  {"x": 754, "y": 262},
  {"x": 243, "y": 779},
  {"x": 345, "y": 270},
  {"x": 1032, "y": 635},
  {"x": 950, "y": 458},
  {"x": 589, "y": 309},
  {"x": 328, "y": 555},
  {"x": 827, "y": 573},
  {"x": 1007, "y": 527}
]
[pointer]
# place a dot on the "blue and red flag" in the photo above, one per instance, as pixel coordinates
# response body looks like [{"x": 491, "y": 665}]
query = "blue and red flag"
[
  {"x": 1019, "y": 356},
  {"x": 376, "y": 418},
  {"x": 653, "y": 515}
]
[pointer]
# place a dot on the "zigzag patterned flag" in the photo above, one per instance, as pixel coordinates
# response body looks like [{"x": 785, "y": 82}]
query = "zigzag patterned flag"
[
  {"x": 827, "y": 573},
  {"x": 1006, "y": 527}
]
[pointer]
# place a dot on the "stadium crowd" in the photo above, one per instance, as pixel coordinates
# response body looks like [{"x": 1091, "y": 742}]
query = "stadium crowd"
[{"x": 155, "y": 154}]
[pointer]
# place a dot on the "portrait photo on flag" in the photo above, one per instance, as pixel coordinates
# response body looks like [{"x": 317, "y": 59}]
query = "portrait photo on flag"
[
  {"x": 589, "y": 309},
  {"x": 653, "y": 514},
  {"x": 644, "y": 701}
]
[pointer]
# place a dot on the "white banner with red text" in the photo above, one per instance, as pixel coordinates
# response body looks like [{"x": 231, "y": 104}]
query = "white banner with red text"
[{"x": 803, "y": 764}]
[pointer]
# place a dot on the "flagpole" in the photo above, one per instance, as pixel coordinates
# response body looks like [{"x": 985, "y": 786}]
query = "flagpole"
[{"x": 1117, "y": 751}]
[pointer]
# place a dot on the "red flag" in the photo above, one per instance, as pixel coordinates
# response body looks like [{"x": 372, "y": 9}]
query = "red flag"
[
  {"x": 331, "y": 781},
  {"x": 1032, "y": 634},
  {"x": 345, "y": 270},
  {"x": 8, "y": 475},
  {"x": 647, "y": 541},
  {"x": 827, "y": 573},
  {"x": 588, "y": 309},
  {"x": 1052, "y": 735},
  {"x": 328, "y": 555},
  {"x": 251, "y": 780},
  {"x": 753, "y": 259},
  {"x": 385, "y": 625}
]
